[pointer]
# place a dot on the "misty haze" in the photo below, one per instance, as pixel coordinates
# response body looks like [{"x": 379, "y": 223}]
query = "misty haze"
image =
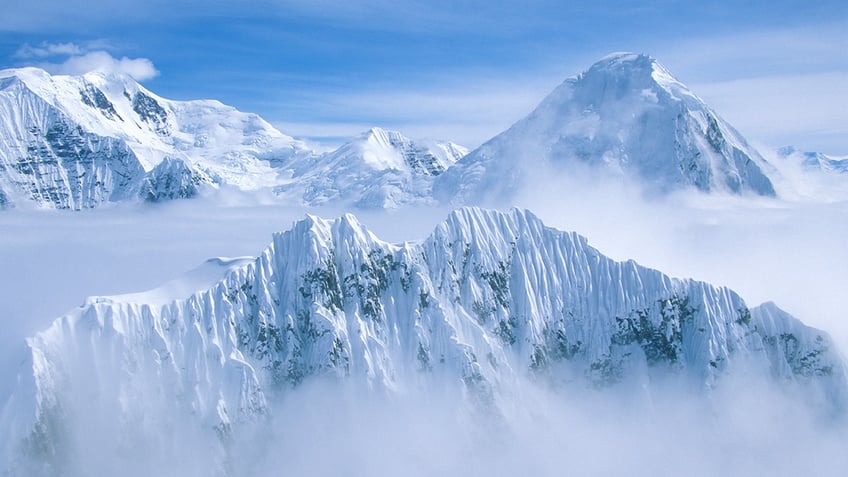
[{"x": 452, "y": 239}]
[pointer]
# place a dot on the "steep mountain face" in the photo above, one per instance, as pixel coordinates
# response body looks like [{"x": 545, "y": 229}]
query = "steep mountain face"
[
  {"x": 626, "y": 115},
  {"x": 76, "y": 142},
  {"x": 378, "y": 169},
  {"x": 486, "y": 299}
]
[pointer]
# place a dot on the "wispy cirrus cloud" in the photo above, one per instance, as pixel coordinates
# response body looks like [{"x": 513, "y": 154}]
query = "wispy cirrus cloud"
[
  {"x": 75, "y": 59},
  {"x": 48, "y": 49},
  {"x": 468, "y": 112}
]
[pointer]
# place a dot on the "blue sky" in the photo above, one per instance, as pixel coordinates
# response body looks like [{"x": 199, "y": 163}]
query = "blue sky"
[{"x": 460, "y": 70}]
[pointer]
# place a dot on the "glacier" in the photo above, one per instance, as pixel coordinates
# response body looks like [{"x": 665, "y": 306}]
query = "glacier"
[
  {"x": 488, "y": 300},
  {"x": 626, "y": 116}
]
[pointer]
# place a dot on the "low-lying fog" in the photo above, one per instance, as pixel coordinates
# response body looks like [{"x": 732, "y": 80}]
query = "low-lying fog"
[{"x": 791, "y": 252}]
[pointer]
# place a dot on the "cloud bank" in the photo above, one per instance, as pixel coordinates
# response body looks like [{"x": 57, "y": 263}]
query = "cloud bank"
[{"x": 74, "y": 59}]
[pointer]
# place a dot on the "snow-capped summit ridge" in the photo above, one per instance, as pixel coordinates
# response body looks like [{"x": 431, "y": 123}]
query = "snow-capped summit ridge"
[
  {"x": 620, "y": 57},
  {"x": 383, "y": 137},
  {"x": 632, "y": 65},
  {"x": 378, "y": 169}
]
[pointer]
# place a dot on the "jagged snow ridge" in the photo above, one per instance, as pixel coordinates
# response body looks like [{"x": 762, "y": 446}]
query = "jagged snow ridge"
[
  {"x": 625, "y": 115},
  {"x": 378, "y": 169},
  {"x": 815, "y": 160},
  {"x": 487, "y": 298},
  {"x": 77, "y": 141},
  {"x": 811, "y": 175}
]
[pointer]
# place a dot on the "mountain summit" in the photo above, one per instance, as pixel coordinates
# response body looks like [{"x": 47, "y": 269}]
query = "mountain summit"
[
  {"x": 626, "y": 115},
  {"x": 377, "y": 169}
]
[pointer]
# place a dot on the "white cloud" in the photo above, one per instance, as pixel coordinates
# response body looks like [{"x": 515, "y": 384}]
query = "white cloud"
[
  {"x": 139, "y": 68},
  {"x": 76, "y": 59}
]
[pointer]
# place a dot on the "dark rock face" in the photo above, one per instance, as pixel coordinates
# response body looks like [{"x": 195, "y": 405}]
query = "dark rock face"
[
  {"x": 172, "y": 179},
  {"x": 72, "y": 169},
  {"x": 151, "y": 112},
  {"x": 96, "y": 99}
]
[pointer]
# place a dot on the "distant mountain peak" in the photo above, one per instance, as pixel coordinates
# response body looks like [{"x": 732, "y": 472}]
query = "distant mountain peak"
[
  {"x": 815, "y": 161},
  {"x": 385, "y": 135},
  {"x": 379, "y": 168},
  {"x": 626, "y": 115}
]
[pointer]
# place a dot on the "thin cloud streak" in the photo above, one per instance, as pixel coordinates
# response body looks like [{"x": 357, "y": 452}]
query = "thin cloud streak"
[
  {"x": 813, "y": 48},
  {"x": 803, "y": 110},
  {"x": 48, "y": 49},
  {"x": 469, "y": 113}
]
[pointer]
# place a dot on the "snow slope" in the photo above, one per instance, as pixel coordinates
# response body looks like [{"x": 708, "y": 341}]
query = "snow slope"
[
  {"x": 74, "y": 142},
  {"x": 486, "y": 299},
  {"x": 378, "y": 169},
  {"x": 626, "y": 116}
]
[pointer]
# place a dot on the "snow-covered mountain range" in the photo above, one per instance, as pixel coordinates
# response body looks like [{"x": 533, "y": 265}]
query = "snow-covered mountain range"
[
  {"x": 378, "y": 169},
  {"x": 627, "y": 116},
  {"x": 75, "y": 142},
  {"x": 488, "y": 299},
  {"x": 815, "y": 160}
]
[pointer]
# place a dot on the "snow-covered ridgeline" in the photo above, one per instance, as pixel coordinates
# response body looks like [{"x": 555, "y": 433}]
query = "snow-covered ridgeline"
[
  {"x": 74, "y": 142},
  {"x": 77, "y": 141},
  {"x": 378, "y": 169},
  {"x": 815, "y": 160},
  {"x": 488, "y": 298}
]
